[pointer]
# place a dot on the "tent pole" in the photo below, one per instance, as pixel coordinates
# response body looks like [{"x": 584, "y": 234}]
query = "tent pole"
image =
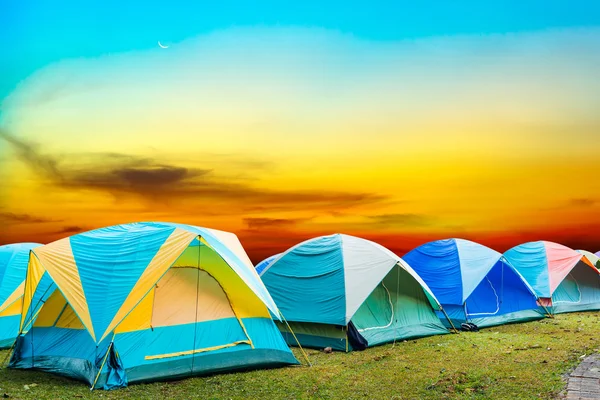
[
  {"x": 103, "y": 362},
  {"x": 196, "y": 305},
  {"x": 547, "y": 312},
  {"x": 448, "y": 318},
  {"x": 346, "y": 329},
  {"x": 6, "y": 358},
  {"x": 396, "y": 304},
  {"x": 297, "y": 341}
]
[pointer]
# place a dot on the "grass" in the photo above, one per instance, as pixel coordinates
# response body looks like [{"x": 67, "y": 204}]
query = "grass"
[{"x": 525, "y": 361}]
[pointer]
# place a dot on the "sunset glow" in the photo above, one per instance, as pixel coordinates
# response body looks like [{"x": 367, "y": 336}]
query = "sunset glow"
[{"x": 280, "y": 129}]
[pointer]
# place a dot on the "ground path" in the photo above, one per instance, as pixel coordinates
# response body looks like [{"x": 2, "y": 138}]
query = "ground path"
[{"x": 584, "y": 382}]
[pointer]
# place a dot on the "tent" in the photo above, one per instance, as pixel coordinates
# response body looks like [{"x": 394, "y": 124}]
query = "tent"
[
  {"x": 13, "y": 266},
  {"x": 147, "y": 301},
  {"x": 263, "y": 264},
  {"x": 348, "y": 293},
  {"x": 593, "y": 258},
  {"x": 474, "y": 283},
  {"x": 563, "y": 279}
]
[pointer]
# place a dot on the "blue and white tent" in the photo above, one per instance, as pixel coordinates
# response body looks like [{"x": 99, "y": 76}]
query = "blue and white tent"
[
  {"x": 347, "y": 293},
  {"x": 474, "y": 283}
]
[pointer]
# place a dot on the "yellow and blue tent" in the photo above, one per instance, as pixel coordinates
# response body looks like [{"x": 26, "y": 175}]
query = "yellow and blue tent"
[
  {"x": 13, "y": 267},
  {"x": 147, "y": 301}
]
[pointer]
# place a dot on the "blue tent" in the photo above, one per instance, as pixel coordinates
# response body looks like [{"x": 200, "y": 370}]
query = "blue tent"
[
  {"x": 147, "y": 301},
  {"x": 264, "y": 263},
  {"x": 474, "y": 283},
  {"x": 13, "y": 267}
]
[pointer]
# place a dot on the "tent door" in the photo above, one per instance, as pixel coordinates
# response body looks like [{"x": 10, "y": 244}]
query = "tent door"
[{"x": 191, "y": 301}]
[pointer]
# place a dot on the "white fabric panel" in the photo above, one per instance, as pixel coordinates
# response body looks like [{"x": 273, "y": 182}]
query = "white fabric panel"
[
  {"x": 366, "y": 264},
  {"x": 233, "y": 243}
]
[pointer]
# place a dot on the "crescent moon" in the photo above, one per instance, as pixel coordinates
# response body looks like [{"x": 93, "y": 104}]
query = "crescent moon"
[{"x": 162, "y": 46}]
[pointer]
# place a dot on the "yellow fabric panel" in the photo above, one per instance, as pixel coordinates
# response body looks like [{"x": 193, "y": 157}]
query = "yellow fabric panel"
[
  {"x": 51, "y": 310},
  {"x": 187, "y": 295},
  {"x": 243, "y": 300},
  {"x": 69, "y": 319},
  {"x": 57, "y": 258},
  {"x": 13, "y": 309},
  {"x": 35, "y": 272},
  {"x": 17, "y": 294},
  {"x": 140, "y": 317},
  {"x": 189, "y": 257},
  {"x": 185, "y": 353},
  {"x": 171, "y": 249}
]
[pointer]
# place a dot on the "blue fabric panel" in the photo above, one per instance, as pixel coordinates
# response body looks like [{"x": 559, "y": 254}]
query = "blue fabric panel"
[
  {"x": 264, "y": 334},
  {"x": 69, "y": 352},
  {"x": 264, "y": 263},
  {"x": 110, "y": 262},
  {"x": 9, "y": 329},
  {"x": 438, "y": 264},
  {"x": 475, "y": 263},
  {"x": 115, "y": 371},
  {"x": 14, "y": 259},
  {"x": 72, "y": 352},
  {"x": 501, "y": 292},
  {"x": 133, "y": 347},
  {"x": 307, "y": 282},
  {"x": 226, "y": 360},
  {"x": 455, "y": 312},
  {"x": 531, "y": 262},
  {"x": 52, "y": 341}
]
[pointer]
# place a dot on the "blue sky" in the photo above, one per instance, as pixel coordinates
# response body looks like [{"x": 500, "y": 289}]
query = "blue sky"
[{"x": 37, "y": 33}]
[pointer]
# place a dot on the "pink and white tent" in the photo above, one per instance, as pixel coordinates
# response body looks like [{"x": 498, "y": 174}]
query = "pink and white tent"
[{"x": 565, "y": 280}]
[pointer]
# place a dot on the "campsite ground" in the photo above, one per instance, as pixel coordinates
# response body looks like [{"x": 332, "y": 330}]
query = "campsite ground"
[{"x": 514, "y": 361}]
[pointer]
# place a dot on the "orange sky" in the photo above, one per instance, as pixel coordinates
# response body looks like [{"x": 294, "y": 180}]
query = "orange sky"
[{"x": 493, "y": 138}]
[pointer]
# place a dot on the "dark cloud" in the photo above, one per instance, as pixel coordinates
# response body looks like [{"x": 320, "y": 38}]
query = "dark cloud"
[
  {"x": 272, "y": 223},
  {"x": 71, "y": 229},
  {"x": 411, "y": 220},
  {"x": 121, "y": 174},
  {"x": 583, "y": 202},
  {"x": 24, "y": 218},
  {"x": 28, "y": 152}
]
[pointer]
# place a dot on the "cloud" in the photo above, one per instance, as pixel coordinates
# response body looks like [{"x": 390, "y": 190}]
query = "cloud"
[
  {"x": 583, "y": 202},
  {"x": 25, "y": 218},
  {"x": 72, "y": 229},
  {"x": 273, "y": 223},
  {"x": 401, "y": 220},
  {"x": 28, "y": 152},
  {"x": 155, "y": 181}
]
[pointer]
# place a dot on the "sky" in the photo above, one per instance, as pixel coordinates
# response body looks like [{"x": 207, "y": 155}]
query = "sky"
[{"x": 400, "y": 123}]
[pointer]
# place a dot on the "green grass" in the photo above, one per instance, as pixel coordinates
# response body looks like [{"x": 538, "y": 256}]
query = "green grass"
[{"x": 524, "y": 361}]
